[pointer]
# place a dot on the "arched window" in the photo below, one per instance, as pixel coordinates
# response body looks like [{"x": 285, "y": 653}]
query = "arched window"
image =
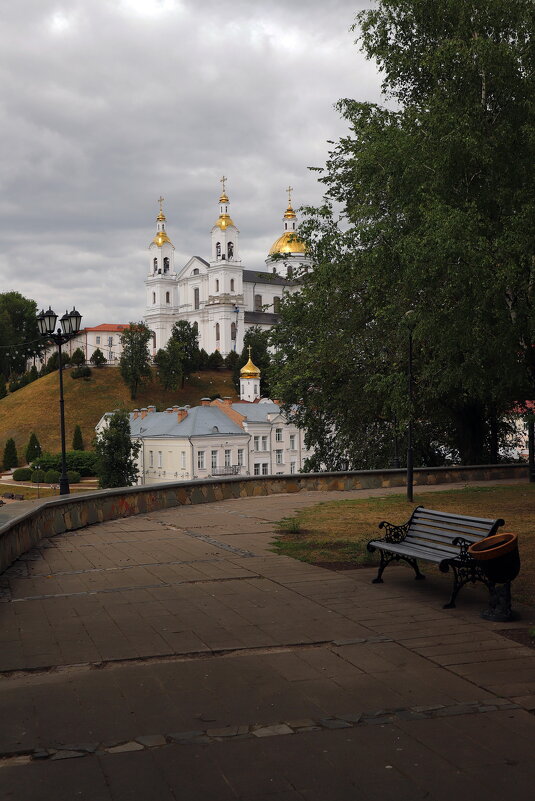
[
  {"x": 285, "y": 226},
  {"x": 216, "y": 285},
  {"x": 155, "y": 264},
  {"x": 218, "y": 250},
  {"x": 196, "y": 327},
  {"x": 233, "y": 331},
  {"x": 217, "y": 332},
  {"x": 196, "y": 299},
  {"x": 258, "y": 303},
  {"x": 232, "y": 284},
  {"x": 167, "y": 297},
  {"x": 276, "y": 305},
  {"x": 230, "y": 250},
  {"x": 166, "y": 264},
  {"x": 195, "y": 271},
  {"x": 154, "y": 297}
]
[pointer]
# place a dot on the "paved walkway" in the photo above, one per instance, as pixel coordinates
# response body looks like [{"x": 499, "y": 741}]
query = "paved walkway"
[{"x": 174, "y": 656}]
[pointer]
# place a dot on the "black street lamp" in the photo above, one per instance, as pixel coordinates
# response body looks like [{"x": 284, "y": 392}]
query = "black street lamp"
[
  {"x": 70, "y": 326},
  {"x": 410, "y": 323}
]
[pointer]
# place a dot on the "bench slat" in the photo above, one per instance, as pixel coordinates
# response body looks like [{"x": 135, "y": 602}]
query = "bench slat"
[
  {"x": 416, "y": 553},
  {"x": 439, "y": 524},
  {"x": 436, "y": 513},
  {"x": 443, "y": 536},
  {"x": 431, "y": 545}
]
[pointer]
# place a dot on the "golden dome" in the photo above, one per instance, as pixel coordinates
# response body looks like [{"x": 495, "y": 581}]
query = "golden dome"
[
  {"x": 289, "y": 214},
  {"x": 224, "y": 198},
  {"x": 288, "y": 243},
  {"x": 160, "y": 238},
  {"x": 224, "y": 221},
  {"x": 161, "y": 216},
  {"x": 249, "y": 370}
]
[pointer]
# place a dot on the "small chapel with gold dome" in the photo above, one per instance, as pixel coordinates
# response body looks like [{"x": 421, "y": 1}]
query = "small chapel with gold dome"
[{"x": 219, "y": 295}]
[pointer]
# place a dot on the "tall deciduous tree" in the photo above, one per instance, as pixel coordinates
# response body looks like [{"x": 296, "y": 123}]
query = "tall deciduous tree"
[
  {"x": 134, "y": 363},
  {"x": 187, "y": 337},
  {"x": 116, "y": 453},
  {"x": 169, "y": 364},
  {"x": 438, "y": 203},
  {"x": 18, "y": 329}
]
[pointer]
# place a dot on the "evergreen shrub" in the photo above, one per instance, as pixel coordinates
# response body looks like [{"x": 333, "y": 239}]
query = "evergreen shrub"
[
  {"x": 84, "y": 462},
  {"x": 10, "y": 455},
  {"x": 81, "y": 372},
  {"x": 73, "y": 476},
  {"x": 22, "y": 474},
  {"x": 38, "y": 477},
  {"x": 52, "y": 476}
]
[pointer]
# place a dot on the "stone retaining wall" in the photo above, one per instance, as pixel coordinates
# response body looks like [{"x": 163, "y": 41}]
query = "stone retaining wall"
[{"x": 24, "y": 524}]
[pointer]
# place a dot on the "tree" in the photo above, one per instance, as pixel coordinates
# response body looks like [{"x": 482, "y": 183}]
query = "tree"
[
  {"x": 187, "y": 337},
  {"x": 77, "y": 439},
  {"x": 18, "y": 330},
  {"x": 10, "y": 455},
  {"x": 259, "y": 342},
  {"x": 33, "y": 375},
  {"x": 78, "y": 357},
  {"x": 3, "y": 389},
  {"x": 231, "y": 360},
  {"x": 53, "y": 362},
  {"x": 215, "y": 361},
  {"x": 33, "y": 449},
  {"x": 437, "y": 198},
  {"x": 169, "y": 364},
  {"x": 134, "y": 363},
  {"x": 97, "y": 358},
  {"x": 116, "y": 453}
]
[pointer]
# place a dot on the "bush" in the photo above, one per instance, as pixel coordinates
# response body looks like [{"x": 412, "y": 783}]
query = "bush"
[
  {"x": 73, "y": 476},
  {"x": 38, "y": 477},
  {"x": 10, "y": 455},
  {"x": 52, "y": 476},
  {"x": 84, "y": 462},
  {"x": 22, "y": 474},
  {"x": 81, "y": 372},
  {"x": 215, "y": 361}
]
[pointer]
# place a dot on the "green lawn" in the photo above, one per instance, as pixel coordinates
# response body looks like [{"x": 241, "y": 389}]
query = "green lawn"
[{"x": 337, "y": 531}]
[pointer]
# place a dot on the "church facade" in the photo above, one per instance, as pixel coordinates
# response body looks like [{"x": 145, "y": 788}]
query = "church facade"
[{"x": 219, "y": 295}]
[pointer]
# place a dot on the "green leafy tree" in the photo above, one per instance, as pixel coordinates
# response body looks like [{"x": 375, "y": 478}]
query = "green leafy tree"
[
  {"x": 33, "y": 373},
  {"x": 134, "y": 363},
  {"x": 259, "y": 342},
  {"x": 77, "y": 439},
  {"x": 97, "y": 358},
  {"x": 203, "y": 359},
  {"x": 215, "y": 361},
  {"x": 169, "y": 364},
  {"x": 3, "y": 388},
  {"x": 436, "y": 193},
  {"x": 53, "y": 362},
  {"x": 18, "y": 329},
  {"x": 186, "y": 337},
  {"x": 116, "y": 453},
  {"x": 33, "y": 449},
  {"x": 78, "y": 357},
  {"x": 231, "y": 360},
  {"x": 10, "y": 455}
]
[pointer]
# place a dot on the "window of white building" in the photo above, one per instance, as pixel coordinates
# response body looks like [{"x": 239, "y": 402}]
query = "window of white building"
[
  {"x": 256, "y": 441},
  {"x": 151, "y": 459},
  {"x": 278, "y": 457},
  {"x": 278, "y": 435},
  {"x": 265, "y": 467},
  {"x": 292, "y": 467},
  {"x": 98, "y": 340},
  {"x": 240, "y": 457},
  {"x": 159, "y": 458},
  {"x": 292, "y": 442},
  {"x": 214, "y": 460},
  {"x": 256, "y": 469},
  {"x": 264, "y": 443},
  {"x": 200, "y": 460},
  {"x": 227, "y": 458},
  {"x": 182, "y": 458}
]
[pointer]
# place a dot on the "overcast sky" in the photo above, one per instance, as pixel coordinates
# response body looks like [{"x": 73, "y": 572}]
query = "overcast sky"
[{"x": 106, "y": 104}]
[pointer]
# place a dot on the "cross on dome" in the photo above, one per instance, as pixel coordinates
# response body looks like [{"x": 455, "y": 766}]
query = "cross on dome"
[
  {"x": 224, "y": 196},
  {"x": 161, "y": 215}
]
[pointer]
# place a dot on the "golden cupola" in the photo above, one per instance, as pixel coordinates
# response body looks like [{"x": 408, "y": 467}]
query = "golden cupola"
[
  {"x": 161, "y": 234},
  {"x": 289, "y": 242},
  {"x": 250, "y": 370},
  {"x": 224, "y": 220}
]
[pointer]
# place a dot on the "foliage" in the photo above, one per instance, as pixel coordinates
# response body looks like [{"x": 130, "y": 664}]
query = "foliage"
[
  {"x": 3, "y": 388},
  {"x": 134, "y": 363},
  {"x": 78, "y": 357},
  {"x": 187, "y": 338},
  {"x": 73, "y": 477},
  {"x": 97, "y": 358},
  {"x": 259, "y": 342},
  {"x": 168, "y": 363},
  {"x": 81, "y": 372},
  {"x": 52, "y": 476},
  {"x": 22, "y": 474},
  {"x": 116, "y": 453},
  {"x": 10, "y": 455},
  {"x": 53, "y": 362},
  {"x": 33, "y": 373},
  {"x": 437, "y": 198},
  {"x": 18, "y": 329},
  {"x": 231, "y": 360},
  {"x": 38, "y": 477},
  {"x": 33, "y": 449},
  {"x": 84, "y": 462},
  {"x": 203, "y": 359},
  {"x": 215, "y": 361},
  {"x": 77, "y": 439}
]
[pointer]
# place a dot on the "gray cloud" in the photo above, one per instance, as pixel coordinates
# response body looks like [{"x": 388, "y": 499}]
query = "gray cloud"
[{"x": 105, "y": 105}]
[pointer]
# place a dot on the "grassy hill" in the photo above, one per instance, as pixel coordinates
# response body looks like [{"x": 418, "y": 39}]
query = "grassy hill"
[{"x": 36, "y": 406}]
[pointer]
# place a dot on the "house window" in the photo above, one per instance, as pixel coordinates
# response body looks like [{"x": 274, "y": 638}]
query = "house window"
[
  {"x": 258, "y": 303},
  {"x": 292, "y": 442},
  {"x": 256, "y": 389},
  {"x": 214, "y": 460},
  {"x": 110, "y": 341},
  {"x": 276, "y": 305},
  {"x": 196, "y": 302},
  {"x": 217, "y": 285},
  {"x": 183, "y": 459},
  {"x": 240, "y": 457},
  {"x": 232, "y": 284},
  {"x": 151, "y": 459},
  {"x": 154, "y": 297},
  {"x": 159, "y": 458},
  {"x": 200, "y": 460},
  {"x": 167, "y": 297},
  {"x": 218, "y": 250},
  {"x": 256, "y": 469},
  {"x": 292, "y": 467},
  {"x": 233, "y": 331},
  {"x": 230, "y": 251},
  {"x": 256, "y": 441},
  {"x": 155, "y": 264},
  {"x": 195, "y": 271},
  {"x": 278, "y": 457},
  {"x": 166, "y": 265},
  {"x": 227, "y": 458},
  {"x": 196, "y": 326},
  {"x": 265, "y": 468},
  {"x": 98, "y": 340},
  {"x": 217, "y": 332},
  {"x": 278, "y": 435},
  {"x": 264, "y": 443}
]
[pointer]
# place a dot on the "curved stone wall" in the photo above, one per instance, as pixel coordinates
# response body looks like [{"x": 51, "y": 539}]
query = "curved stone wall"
[{"x": 24, "y": 524}]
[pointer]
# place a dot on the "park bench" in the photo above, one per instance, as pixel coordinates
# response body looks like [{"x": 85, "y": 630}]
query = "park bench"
[{"x": 438, "y": 537}]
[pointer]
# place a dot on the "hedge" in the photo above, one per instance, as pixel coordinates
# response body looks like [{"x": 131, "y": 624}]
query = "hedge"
[
  {"x": 22, "y": 474},
  {"x": 38, "y": 477},
  {"x": 73, "y": 476},
  {"x": 83, "y": 462},
  {"x": 51, "y": 476}
]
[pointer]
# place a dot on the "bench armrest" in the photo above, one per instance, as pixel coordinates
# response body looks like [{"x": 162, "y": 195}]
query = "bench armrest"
[{"x": 394, "y": 533}]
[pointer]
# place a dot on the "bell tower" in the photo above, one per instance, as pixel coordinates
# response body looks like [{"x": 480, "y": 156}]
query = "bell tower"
[{"x": 161, "y": 283}]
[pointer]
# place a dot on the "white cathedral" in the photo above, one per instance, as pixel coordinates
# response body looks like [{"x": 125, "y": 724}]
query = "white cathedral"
[{"x": 219, "y": 296}]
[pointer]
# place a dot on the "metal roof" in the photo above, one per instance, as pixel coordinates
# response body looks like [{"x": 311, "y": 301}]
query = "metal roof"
[{"x": 201, "y": 421}]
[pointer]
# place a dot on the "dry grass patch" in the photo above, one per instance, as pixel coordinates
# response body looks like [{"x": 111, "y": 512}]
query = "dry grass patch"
[{"x": 337, "y": 531}]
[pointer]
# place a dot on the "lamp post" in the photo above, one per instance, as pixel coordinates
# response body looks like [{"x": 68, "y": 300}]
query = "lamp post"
[
  {"x": 70, "y": 326},
  {"x": 410, "y": 323}
]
